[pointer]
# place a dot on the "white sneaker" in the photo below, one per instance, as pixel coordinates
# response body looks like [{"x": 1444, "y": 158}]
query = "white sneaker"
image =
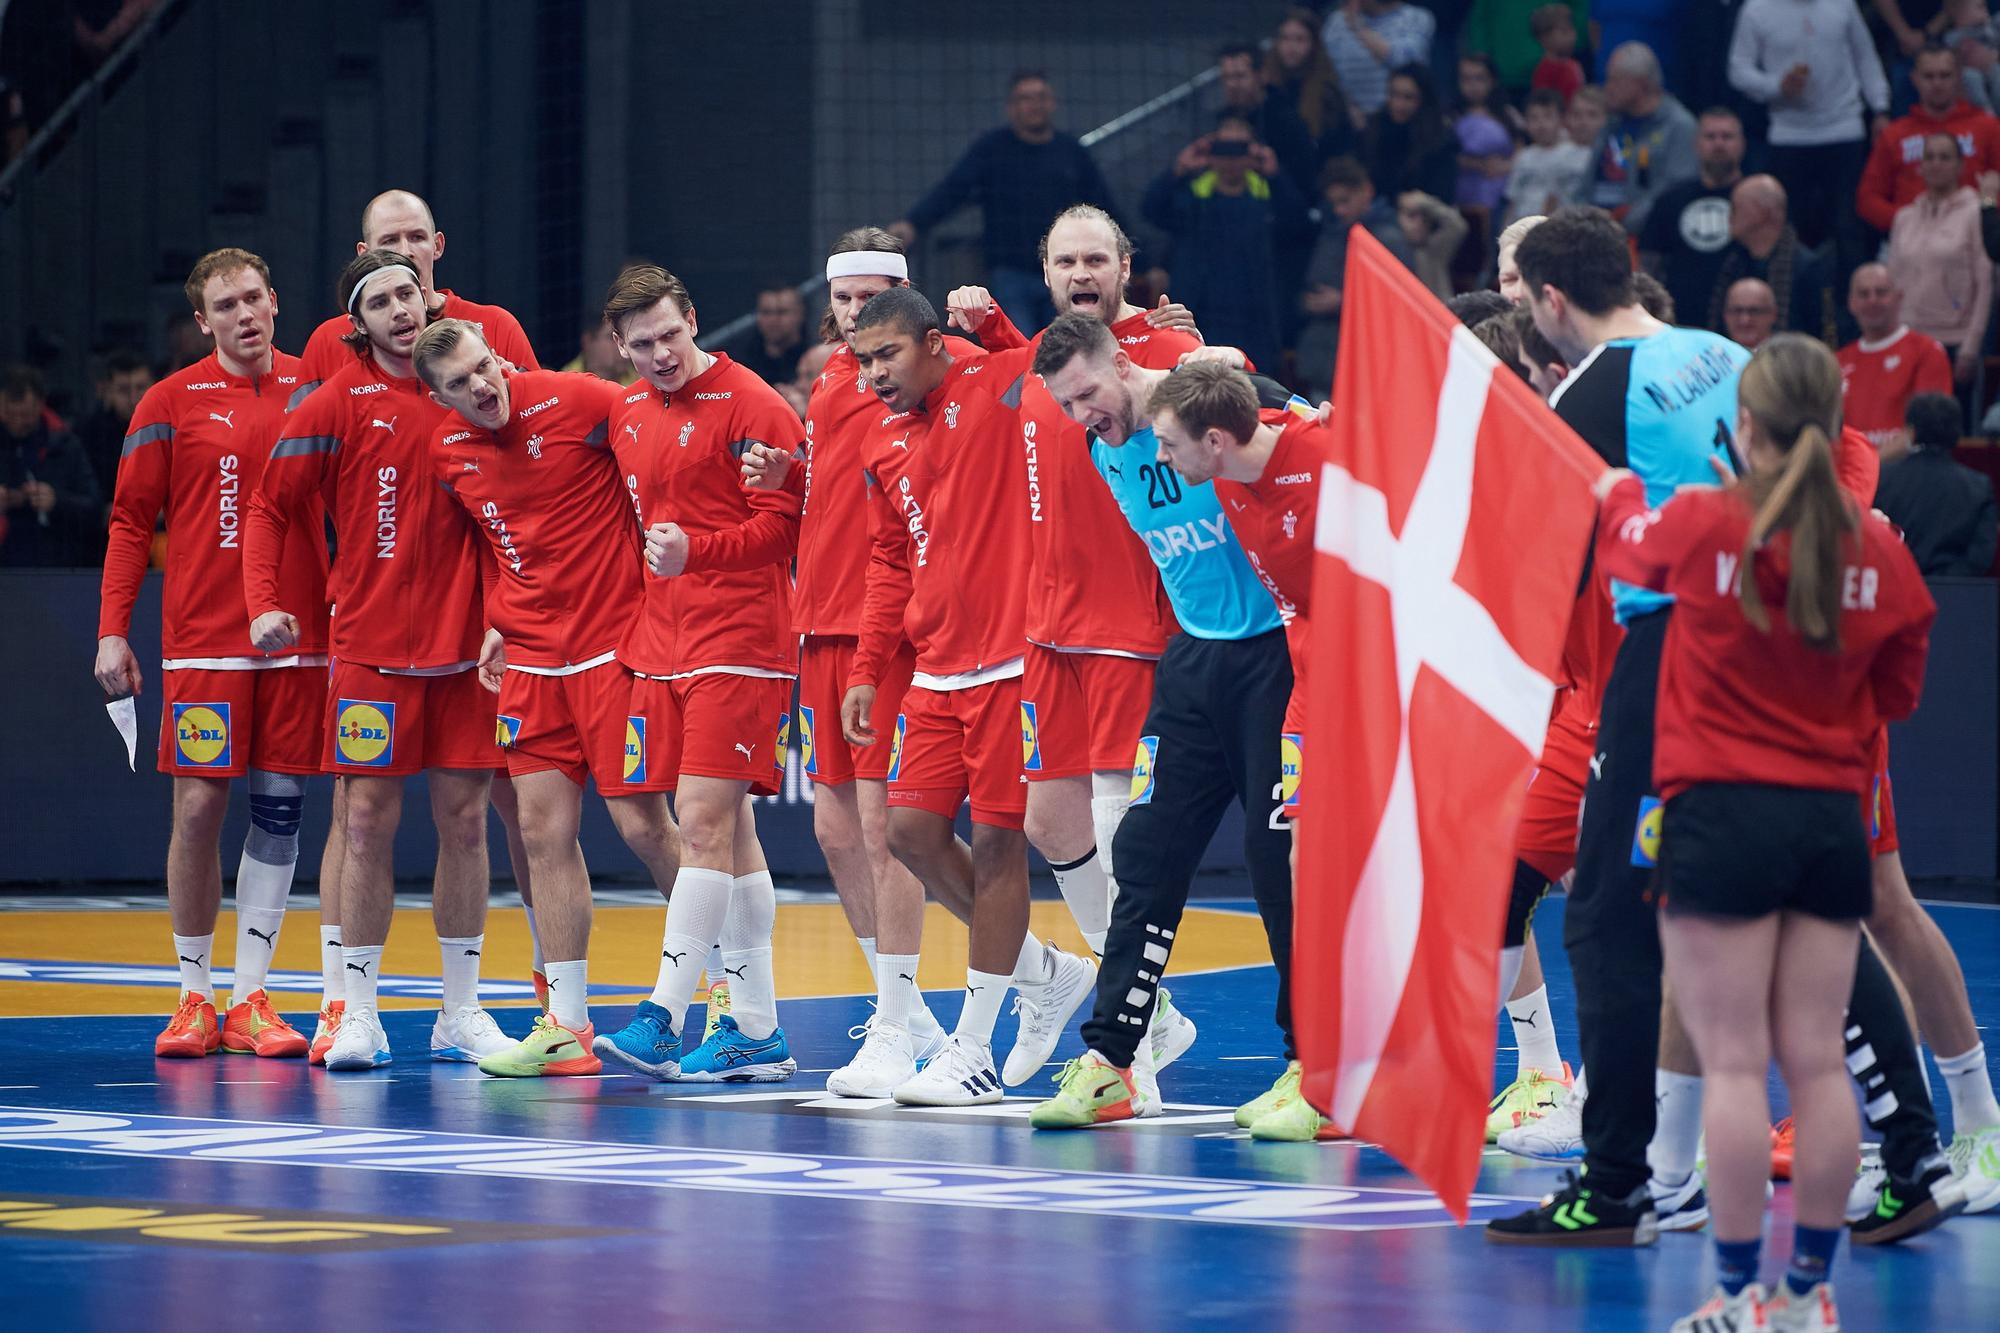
[
  {"x": 1145, "y": 1082},
  {"x": 1556, "y": 1137},
  {"x": 961, "y": 1076},
  {"x": 1975, "y": 1160},
  {"x": 1171, "y": 1032},
  {"x": 1045, "y": 1008},
  {"x": 883, "y": 1063},
  {"x": 928, "y": 1037},
  {"x": 1723, "y": 1313},
  {"x": 360, "y": 1042},
  {"x": 468, "y": 1035},
  {"x": 1868, "y": 1183},
  {"x": 1682, "y": 1207},
  {"x": 1812, "y": 1312}
]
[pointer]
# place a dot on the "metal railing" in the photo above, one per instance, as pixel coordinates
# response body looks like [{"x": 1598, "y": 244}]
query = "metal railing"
[{"x": 1125, "y": 121}]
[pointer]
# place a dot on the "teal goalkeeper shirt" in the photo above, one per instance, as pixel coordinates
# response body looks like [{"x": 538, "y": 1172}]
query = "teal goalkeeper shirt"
[{"x": 1215, "y": 592}]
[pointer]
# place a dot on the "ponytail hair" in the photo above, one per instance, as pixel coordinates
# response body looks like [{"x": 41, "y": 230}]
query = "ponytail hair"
[{"x": 1791, "y": 389}]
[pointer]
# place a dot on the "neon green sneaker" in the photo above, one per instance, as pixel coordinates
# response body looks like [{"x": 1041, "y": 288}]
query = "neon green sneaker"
[
  {"x": 1090, "y": 1091},
  {"x": 1529, "y": 1097},
  {"x": 549, "y": 1049},
  {"x": 1287, "y": 1085},
  {"x": 718, "y": 1005},
  {"x": 1293, "y": 1120},
  {"x": 1975, "y": 1160}
]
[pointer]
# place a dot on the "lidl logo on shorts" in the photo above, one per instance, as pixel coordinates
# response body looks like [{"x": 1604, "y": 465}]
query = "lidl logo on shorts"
[
  {"x": 506, "y": 731},
  {"x": 808, "y": 756},
  {"x": 201, "y": 735},
  {"x": 1291, "y": 767},
  {"x": 1142, "y": 770},
  {"x": 896, "y": 748},
  {"x": 784, "y": 739},
  {"x": 1646, "y": 837},
  {"x": 635, "y": 749},
  {"x": 364, "y": 733},
  {"x": 1875, "y": 810},
  {"x": 1031, "y": 739}
]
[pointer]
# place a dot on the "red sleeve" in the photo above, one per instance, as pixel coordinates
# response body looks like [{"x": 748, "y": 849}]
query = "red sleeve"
[
  {"x": 1898, "y": 672},
  {"x": 1857, "y": 466},
  {"x": 771, "y": 533},
  {"x": 998, "y": 333},
  {"x": 139, "y": 494},
  {"x": 299, "y": 470},
  {"x": 1005, "y": 366},
  {"x": 511, "y": 340},
  {"x": 1643, "y": 546},
  {"x": 887, "y": 594},
  {"x": 325, "y": 354},
  {"x": 1875, "y": 199},
  {"x": 1933, "y": 368}
]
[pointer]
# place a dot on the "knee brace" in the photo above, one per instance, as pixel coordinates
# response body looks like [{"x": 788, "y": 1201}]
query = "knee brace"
[
  {"x": 1529, "y": 886},
  {"x": 1110, "y": 794},
  {"x": 276, "y": 801}
]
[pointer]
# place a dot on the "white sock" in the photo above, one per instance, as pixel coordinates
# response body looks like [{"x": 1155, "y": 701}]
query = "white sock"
[
  {"x": 1087, "y": 891},
  {"x": 1510, "y": 972},
  {"x": 534, "y": 940},
  {"x": 746, "y": 953},
  {"x": 461, "y": 970},
  {"x": 261, "y": 891},
  {"x": 867, "y": 952},
  {"x": 194, "y": 952},
  {"x": 1577, "y": 1087},
  {"x": 1971, "y": 1089},
  {"x": 983, "y": 993},
  {"x": 695, "y": 913},
  {"x": 1677, "y": 1132},
  {"x": 1535, "y": 1033},
  {"x": 713, "y": 969},
  {"x": 896, "y": 993},
  {"x": 569, "y": 993},
  {"x": 332, "y": 970},
  {"x": 360, "y": 967},
  {"x": 1034, "y": 966}
]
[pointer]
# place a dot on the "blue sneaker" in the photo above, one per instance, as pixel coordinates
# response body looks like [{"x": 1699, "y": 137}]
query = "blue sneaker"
[
  {"x": 730, "y": 1057},
  {"x": 647, "y": 1044}
]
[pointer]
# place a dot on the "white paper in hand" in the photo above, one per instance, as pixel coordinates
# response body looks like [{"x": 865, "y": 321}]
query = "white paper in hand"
[{"x": 125, "y": 716}]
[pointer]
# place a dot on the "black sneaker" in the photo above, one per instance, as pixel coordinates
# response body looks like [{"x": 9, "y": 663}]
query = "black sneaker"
[
  {"x": 1905, "y": 1208},
  {"x": 1579, "y": 1215}
]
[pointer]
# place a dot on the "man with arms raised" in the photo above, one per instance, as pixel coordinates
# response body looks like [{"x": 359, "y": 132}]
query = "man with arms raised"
[
  {"x": 528, "y": 455},
  {"x": 196, "y": 448}
]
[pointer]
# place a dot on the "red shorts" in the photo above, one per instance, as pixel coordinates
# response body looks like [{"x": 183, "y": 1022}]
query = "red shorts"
[
  {"x": 1081, "y": 712},
  {"x": 951, "y": 743},
  {"x": 222, "y": 724},
  {"x": 380, "y": 724},
  {"x": 578, "y": 725},
  {"x": 824, "y": 753},
  {"x": 1546, "y": 838},
  {"x": 716, "y": 725},
  {"x": 1880, "y": 811}
]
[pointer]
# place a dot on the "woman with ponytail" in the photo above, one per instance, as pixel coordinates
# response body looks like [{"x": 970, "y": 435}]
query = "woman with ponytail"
[{"x": 1801, "y": 625}]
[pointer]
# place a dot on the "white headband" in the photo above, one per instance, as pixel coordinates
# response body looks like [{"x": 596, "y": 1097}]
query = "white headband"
[
  {"x": 867, "y": 264},
  {"x": 387, "y": 270}
]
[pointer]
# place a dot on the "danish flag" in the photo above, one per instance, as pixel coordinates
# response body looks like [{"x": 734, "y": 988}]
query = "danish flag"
[{"x": 1453, "y": 520}]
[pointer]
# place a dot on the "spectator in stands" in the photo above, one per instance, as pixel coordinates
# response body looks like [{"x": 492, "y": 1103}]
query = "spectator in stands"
[
  {"x": 1551, "y": 170},
  {"x": 1938, "y": 258},
  {"x": 121, "y": 384},
  {"x": 1272, "y": 116},
  {"x": 1433, "y": 230},
  {"x": 1020, "y": 175},
  {"x": 1750, "y": 313},
  {"x": 1368, "y": 39},
  {"x": 1688, "y": 231},
  {"x": 1813, "y": 64},
  {"x": 1658, "y": 25},
  {"x": 1764, "y": 245},
  {"x": 1989, "y": 212},
  {"x": 597, "y": 354},
  {"x": 799, "y": 391},
  {"x": 1484, "y": 125},
  {"x": 1228, "y": 206},
  {"x": 1406, "y": 145},
  {"x": 1554, "y": 28},
  {"x": 50, "y": 508},
  {"x": 1506, "y": 30},
  {"x": 1894, "y": 175},
  {"x": 1350, "y": 200},
  {"x": 1945, "y": 509},
  {"x": 1974, "y": 35},
  {"x": 1298, "y": 69},
  {"x": 186, "y": 343},
  {"x": 774, "y": 346},
  {"x": 1888, "y": 365},
  {"x": 1651, "y": 141}
]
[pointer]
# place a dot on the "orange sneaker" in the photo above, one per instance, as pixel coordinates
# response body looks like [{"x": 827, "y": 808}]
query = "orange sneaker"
[
  {"x": 1781, "y": 1149},
  {"x": 541, "y": 990},
  {"x": 192, "y": 1032},
  {"x": 329, "y": 1026},
  {"x": 549, "y": 1049},
  {"x": 252, "y": 1027}
]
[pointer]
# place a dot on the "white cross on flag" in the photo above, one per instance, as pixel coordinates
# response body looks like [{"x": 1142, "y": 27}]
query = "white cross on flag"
[{"x": 1453, "y": 520}]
